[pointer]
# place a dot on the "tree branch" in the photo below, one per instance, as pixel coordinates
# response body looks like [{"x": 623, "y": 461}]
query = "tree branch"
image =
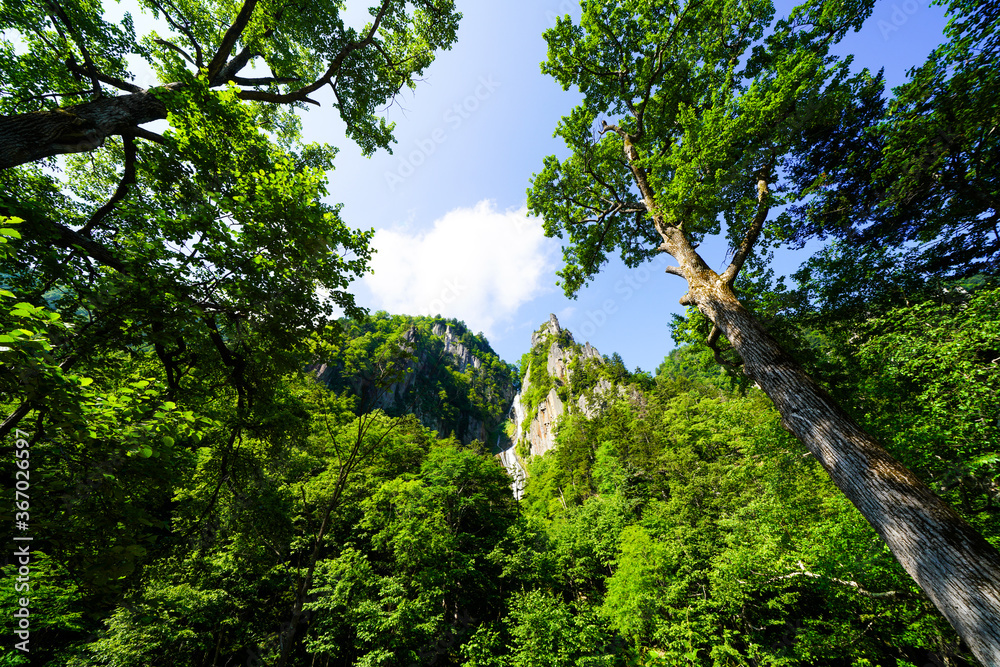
[
  {"x": 72, "y": 66},
  {"x": 230, "y": 38},
  {"x": 128, "y": 178},
  {"x": 184, "y": 29},
  {"x": 675, "y": 270},
  {"x": 88, "y": 62},
  {"x": 301, "y": 95},
  {"x": 223, "y": 476},
  {"x": 763, "y": 207},
  {"x": 895, "y": 595},
  {"x": 147, "y": 135},
  {"x": 69, "y": 239},
  {"x": 170, "y": 45},
  {"x": 80, "y": 128},
  {"x": 263, "y": 81},
  {"x": 233, "y": 360},
  {"x": 14, "y": 418},
  {"x": 231, "y": 68},
  {"x": 713, "y": 344},
  {"x": 275, "y": 98}
]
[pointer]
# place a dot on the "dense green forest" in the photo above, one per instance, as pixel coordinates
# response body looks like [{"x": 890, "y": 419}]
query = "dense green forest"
[{"x": 214, "y": 456}]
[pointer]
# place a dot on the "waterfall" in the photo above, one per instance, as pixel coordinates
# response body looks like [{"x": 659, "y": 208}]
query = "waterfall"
[{"x": 511, "y": 463}]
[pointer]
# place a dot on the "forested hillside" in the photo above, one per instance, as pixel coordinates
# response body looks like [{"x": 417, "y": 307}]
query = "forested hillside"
[
  {"x": 673, "y": 522},
  {"x": 680, "y": 523},
  {"x": 214, "y": 454}
]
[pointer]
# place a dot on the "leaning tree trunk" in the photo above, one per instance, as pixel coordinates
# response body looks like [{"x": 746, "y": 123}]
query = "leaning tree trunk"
[
  {"x": 951, "y": 562},
  {"x": 32, "y": 136}
]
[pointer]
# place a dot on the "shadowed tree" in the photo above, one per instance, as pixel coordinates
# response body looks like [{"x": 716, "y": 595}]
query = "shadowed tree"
[
  {"x": 67, "y": 98},
  {"x": 168, "y": 279},
  {"x": 208, "y": 241}
]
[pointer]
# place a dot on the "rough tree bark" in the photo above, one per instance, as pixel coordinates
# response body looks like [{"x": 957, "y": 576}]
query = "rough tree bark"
[
  {"x": 951, "y": 562},
  {"x": 32, "y": 136}
]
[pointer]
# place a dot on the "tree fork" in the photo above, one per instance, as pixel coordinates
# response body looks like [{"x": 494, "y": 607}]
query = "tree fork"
[{"x": 950, "y": 561}]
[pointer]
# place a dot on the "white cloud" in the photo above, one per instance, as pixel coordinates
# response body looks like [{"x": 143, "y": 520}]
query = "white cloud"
[{"x": 476, "y": 264}]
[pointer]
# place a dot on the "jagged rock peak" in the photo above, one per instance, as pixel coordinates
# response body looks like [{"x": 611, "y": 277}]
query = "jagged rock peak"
[
  {"x": 550, "y": 328},
  {"x": 549, "y": 388}
]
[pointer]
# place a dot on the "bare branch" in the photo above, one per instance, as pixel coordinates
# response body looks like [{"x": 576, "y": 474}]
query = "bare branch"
[
  {"x": 14, "y": 418},
  {"x": 67, "y": 238},
  {"x": 147, "y": 135},
  {"x": 263, "y": 81},
  {"x": 230, "y": 38},
  {"x": 233, "y": 67},
  {"x": 675, "y": 270},
  {"x": 276, "y": 98},
  {"x": 88, "y": 62},
  {"x": 607, "y": 127},
  {"x": 184, "y": 29},
  {"x": 174, "y": 47},
  {"x": 127, "y": 179},
  {"x": 803, "y": 572},
  {"x": 763, "y": 207},
  {"x": 72, "y": 66}
]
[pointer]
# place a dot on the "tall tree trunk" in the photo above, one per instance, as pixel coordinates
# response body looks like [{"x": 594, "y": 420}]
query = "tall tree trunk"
[
  {"x": 951, "y": 562},
  {"x": 32, "y": 136}
]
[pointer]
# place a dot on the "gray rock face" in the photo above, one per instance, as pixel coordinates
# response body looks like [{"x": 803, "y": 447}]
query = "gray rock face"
[
  {"x": 541, "y": 429},
  {"x": 596, "y": 401},
  {"x": 603, "y": 394},
  {"x": 539, "y": 434},
  {"x": 558, "y": 362},
  {"x": 461, "y": 354}
]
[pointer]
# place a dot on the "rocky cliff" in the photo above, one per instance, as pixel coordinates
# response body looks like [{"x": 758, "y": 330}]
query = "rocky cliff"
[
  {"x": 560, "y": 376},
  {"x": 454, "y": 383},
  {"x": 449, "y": 378}
]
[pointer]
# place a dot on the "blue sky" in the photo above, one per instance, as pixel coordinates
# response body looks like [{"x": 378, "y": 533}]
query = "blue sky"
[{"x": 448, "y": 204}]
